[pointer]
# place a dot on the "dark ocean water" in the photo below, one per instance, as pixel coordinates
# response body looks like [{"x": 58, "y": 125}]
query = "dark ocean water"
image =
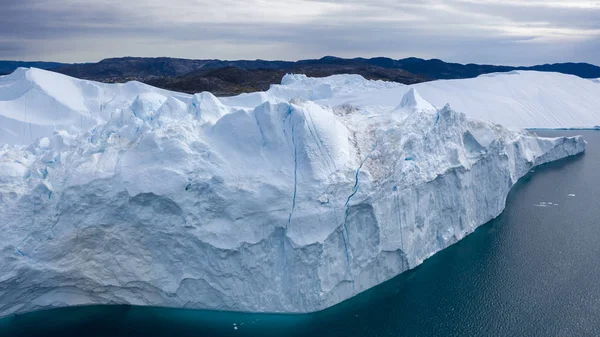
[{"x": 533, "y": 271}]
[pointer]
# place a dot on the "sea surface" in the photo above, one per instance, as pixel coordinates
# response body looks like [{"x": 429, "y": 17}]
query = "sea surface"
[{"x": 533, "y": 271}]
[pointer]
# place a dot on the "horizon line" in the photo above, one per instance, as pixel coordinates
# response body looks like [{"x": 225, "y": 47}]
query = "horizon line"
[{"x": 293, "y": 61}]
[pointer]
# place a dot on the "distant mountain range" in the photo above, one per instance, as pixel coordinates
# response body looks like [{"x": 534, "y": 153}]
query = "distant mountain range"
[
  {"x": 7, "y": 67},
  {"x": 233, "y": 77}
]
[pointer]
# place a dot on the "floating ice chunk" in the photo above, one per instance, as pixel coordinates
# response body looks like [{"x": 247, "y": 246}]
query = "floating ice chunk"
[
  {"x": 545, "y": 204},
  {"x": 571, "y": 195}
]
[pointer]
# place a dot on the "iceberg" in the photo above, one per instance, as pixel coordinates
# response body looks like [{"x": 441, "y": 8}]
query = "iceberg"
[{"x": 288, "y": 206}]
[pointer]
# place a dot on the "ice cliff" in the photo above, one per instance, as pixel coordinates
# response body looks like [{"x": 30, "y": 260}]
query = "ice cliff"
[{"x": 288, "y": 206}]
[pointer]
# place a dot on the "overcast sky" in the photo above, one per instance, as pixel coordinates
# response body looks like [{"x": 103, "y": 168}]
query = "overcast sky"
[{"x": 482, "y": 31}]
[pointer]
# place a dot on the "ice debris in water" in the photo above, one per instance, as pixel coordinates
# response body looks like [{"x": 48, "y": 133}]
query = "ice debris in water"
[{"x": 546, "y": 204}]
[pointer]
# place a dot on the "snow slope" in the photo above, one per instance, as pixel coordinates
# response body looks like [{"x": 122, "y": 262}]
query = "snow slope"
[
  {"x": 34, "y": 103},
  {"x": 519, "y": 99},
  {"x": 238, "y": 204}
]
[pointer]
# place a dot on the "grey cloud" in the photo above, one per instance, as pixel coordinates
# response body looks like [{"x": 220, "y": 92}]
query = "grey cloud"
[
  {"x": 455, "y": 30},
  {"x": 566, "y": 17},
  {"x": 38, "y": 20},
  {"x": 8, "y": 48}
]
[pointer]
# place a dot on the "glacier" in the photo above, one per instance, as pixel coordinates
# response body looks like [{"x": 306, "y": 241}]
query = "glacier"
[
  {"x": 290, "y": 200},
  {"x": 35, "y": 103}
]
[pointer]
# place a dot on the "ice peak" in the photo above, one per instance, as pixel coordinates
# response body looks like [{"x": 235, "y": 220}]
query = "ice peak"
[
  {"x": 38, "y": 77},
  {"x": 293, "y": 78},
  {"x": 412, "y": 102},
  {"x": 412, "y": 99},
  {"x": 146, "y": 104},
  {"x": 207, "y": 107},
  {"x": 20, "y": 72}
]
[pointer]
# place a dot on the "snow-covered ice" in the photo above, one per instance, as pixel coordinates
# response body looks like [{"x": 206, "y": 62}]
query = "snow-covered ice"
[
  {"x": 518, "y": 99},
  {"x": 35, "y": 103},
  {"x": 290, "y": 200}
]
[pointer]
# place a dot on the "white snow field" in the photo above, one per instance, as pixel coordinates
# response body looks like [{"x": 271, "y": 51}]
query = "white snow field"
[
  {"x": 519, "y": 99},
  {"x": 35, "y": 103},
  {"x": 290, "y": 200}
]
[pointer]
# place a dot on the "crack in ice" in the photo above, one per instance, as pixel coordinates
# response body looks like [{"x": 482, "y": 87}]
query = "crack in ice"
[
  {"x": 346, "y": 234},
  {"x": 289, "y": 114}
]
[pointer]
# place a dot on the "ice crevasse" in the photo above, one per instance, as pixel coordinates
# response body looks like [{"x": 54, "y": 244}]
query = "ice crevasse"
[{"x": 289, "y": 206}]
